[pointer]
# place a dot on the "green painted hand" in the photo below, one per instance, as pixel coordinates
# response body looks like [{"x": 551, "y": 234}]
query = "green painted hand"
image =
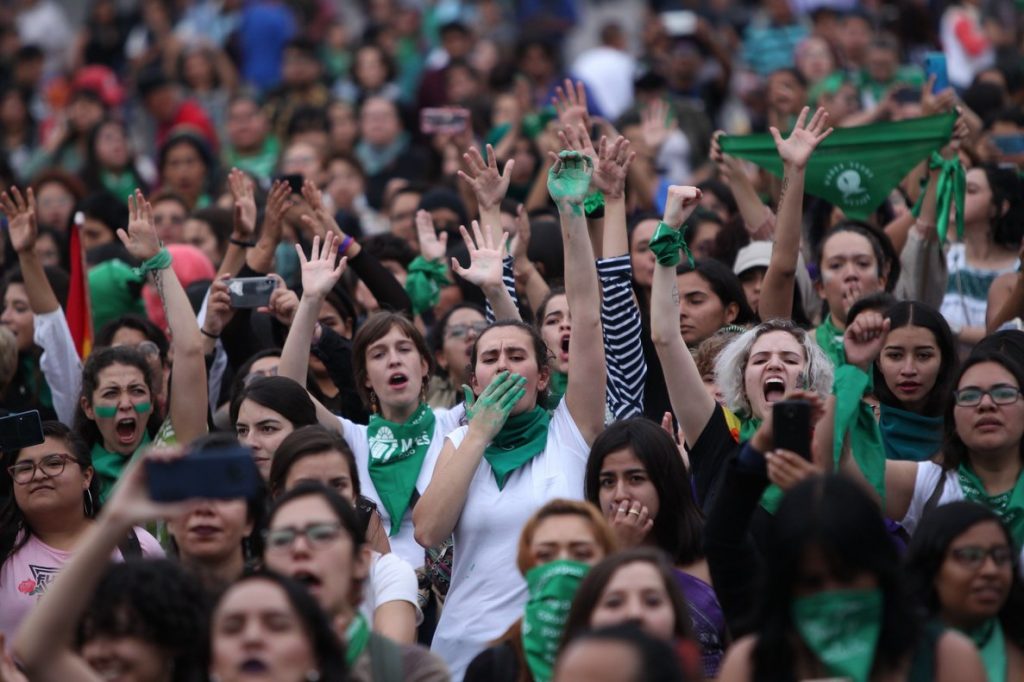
[
  {"x": 489, "y": 412},
  {"x": 569, "y": 179}
]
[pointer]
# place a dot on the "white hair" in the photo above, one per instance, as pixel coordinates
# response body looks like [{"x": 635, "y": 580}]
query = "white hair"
[{"x": 731, "y": 365}]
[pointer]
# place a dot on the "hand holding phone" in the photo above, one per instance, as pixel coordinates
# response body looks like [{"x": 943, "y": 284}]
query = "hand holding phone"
[
  {"x": 224, "y": 473},
  {"x": 791, "y": 426},
  {"x": 251, "y": 292},
  {"x": 444, "y": 120},
  {"x": 935, "y": 65}
]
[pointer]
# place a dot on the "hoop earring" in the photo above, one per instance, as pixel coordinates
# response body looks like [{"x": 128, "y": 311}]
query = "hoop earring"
[
  {"x": 90, "y": 507},
  {"x": 374, "y": 402}
]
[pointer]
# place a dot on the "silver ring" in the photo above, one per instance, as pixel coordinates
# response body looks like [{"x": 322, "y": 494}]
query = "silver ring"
[{"x": 633, "y": 511}]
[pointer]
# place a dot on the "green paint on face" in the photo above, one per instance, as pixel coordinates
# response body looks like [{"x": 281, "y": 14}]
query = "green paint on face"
[{"x": 110, "y": 411}]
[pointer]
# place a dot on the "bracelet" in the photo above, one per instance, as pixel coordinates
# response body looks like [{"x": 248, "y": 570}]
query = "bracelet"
[
  {"x": 243, "y": 244},
  {"x": 208, "y": 334},
  {"x": 345, "y": 243},
  {"x": 161, "y": 261}
]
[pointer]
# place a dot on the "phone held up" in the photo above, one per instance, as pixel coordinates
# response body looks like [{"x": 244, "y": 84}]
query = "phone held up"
[
  {"x": 223, "y": 473},
  {"x": 251, "y": 292},
  {"x": 792, "y": 426},
  {"x": 21, "y": 430}
]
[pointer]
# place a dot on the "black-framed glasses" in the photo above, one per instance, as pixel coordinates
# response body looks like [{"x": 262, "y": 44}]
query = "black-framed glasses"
[
  {"x": 461, "y": 331},
  {"x": 1001, "y": 394},
  {"x": 318, "y": 535},
  {"x": 51, "y": 466},
  {"x": 973, "y": 557}
]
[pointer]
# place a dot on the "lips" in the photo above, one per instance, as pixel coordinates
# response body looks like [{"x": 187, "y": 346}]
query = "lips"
[
  {"x": 308, "y": 580},
  {"x": 204, "y": 531},
  {"x": 126, "y": 430},
  {"x": 253, "y": 665},
  {"x": 774, "y": 389},
  {"x": 908, "y": 386},
  {"x": 988, "y": 423},
  {"x": 398, "y": 381},
  {"x": 43, "y": 486}
]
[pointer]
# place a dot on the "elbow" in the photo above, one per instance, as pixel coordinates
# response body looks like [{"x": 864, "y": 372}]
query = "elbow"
[{"x": 425, "y": 537}]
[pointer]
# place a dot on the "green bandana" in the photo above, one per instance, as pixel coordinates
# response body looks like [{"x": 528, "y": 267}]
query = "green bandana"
[
  {"x": 666, "y": 244},
  {"x": 552, "y": 587},
  {"x": 161, "y": 261},
  {"x": 426, "y": 277},
  {"x": 772, "y": 497},
  {"x": 109, "y": 465},
  {"x": 909, "y": 436},
  {"x": 856, "y": 419},
  {"x": 855, "y": 168},
  {"x": 1009, "y": 505},
  {"x": 523, "y": 437},
  {"x": 841, "y": 627},
  {"x": 951, "y": 186},
  {"x": 992, "y": 646},
  {"x": 556, "y": 389},
  {"x": 593, "y": 204},
  {"x": 397, "y": 452},
  {"x": 357, "y": 636},
  {"x": 830, "y": 340}
]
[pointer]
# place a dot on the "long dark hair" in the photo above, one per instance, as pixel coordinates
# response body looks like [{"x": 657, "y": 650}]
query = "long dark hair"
[
  {"x": 1005, "y": 184},
  {"x": 725, "y": 285},
  {"x": 832, "y": 515},
  {"x": 15, "y": 530},
  {"x": 913, "y": 313},
  {"x": 930, "y": 546},
  {"x": 678, "y": 528},
  {"x": 280, "y": 394}
]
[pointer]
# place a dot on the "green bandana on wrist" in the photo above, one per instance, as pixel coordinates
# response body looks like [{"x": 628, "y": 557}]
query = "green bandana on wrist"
[
  {"x": 951, "y": 186},
  {"x": 424, "y": 283},
  {"x": 666, "y": 244},
  {"x": 855, "y": 419},
  {"x": 830, "y": 340},
  {"x": 593, "y": 204},
  {"x": 1009, "y": 505},
  {"x": 523, "y": 437},
  {"x": 397, "y": 452},
  {"x": 161, "y": 261},
  {"x": 556, "y": 389},
  {"x": 842, "y": 628},
  {"x": 907, "y": 435},
  {"x": 552, "y": 588},
  {"x": 357, "y": 636},
  {"x": 991, "y": 644}
]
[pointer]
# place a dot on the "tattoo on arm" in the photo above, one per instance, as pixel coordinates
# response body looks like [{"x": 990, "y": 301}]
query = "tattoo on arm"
[
  {"x": 675, "y": 294},
  {"x": 782, "y": 191}
]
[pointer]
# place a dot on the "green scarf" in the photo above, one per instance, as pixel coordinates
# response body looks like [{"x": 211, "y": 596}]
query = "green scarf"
[
  {"x": 841, "y": 627},
  {"x": 397, "y": 452},
  {"x": 666, "y": 244},
  {"x": 121, "y": 185},
  {"x": 951, "y": 186},
  {"x": 772, "y": 497},
  {"x": 424, "y": 283},
  {"x": 556, "y": 389},
  {"x": 830, "y": 340},
  {"x": 551, "y": 587},
  {"x": 357, "y": 636},
  {"x": 523, "y": 437},
  {"x": 855, "y": 419},
  {"x": 855, "y": 168},
  {"x": 988, "y": 637},
  {"x": 909, "y": 436},
  {"x": 1009, "y": 505},
  {"x": 109, "y": 465}
]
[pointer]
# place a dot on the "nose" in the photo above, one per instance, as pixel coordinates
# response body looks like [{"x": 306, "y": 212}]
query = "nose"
[
  {"x": 850, "y": 271},
  {"x": 250, "y": 440},
  {"x": 634, "y": 610},
  {"x": 621, "y": 494},
  {"x": 908, "y": 368},
  {"x": 989, "y": 566}
]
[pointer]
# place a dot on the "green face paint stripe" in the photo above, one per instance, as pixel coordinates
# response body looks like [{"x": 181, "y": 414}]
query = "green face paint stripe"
[
  {"x": 142, "y": 408},
  {"x": 110, "y": 411}
]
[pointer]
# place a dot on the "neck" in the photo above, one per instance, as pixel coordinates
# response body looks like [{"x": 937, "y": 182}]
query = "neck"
[
  {"x": 216, "y": 576},
  {"x": 998, "y": 471},
  {"x": 61, "y": 533},
  {"x": 963, "y": 622},
  {"x": 837, "y": 323},
  {"x": 398, "y": 414},
  {"x": 978, "y": 242}
]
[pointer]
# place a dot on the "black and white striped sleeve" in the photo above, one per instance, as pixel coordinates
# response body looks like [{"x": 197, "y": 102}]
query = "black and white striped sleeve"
[
  {"x": 508, "y": 278},
  {"x": 621, "y": 328}
]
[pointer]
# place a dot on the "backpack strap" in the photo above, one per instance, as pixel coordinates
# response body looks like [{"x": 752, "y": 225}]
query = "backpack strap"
[{"x": 130, "y": 546}]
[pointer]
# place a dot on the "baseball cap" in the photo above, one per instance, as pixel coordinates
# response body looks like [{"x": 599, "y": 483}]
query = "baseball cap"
[{"x": 754, "y": 255}]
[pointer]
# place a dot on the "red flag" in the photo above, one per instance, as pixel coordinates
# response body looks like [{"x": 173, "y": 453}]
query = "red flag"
[{"x": 78, "y": 312}]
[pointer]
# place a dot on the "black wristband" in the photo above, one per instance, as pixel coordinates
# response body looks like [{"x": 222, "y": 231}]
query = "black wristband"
[
  {"x": 208, "y": 334},
  {"x": 239, "y": 242}
]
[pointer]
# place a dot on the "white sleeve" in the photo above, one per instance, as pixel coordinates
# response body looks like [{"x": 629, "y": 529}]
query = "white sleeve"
[
  {"x": 393, "y": 579},
  {"x": 59, "y": 363},
  {"x": 927, "y": 478},
  {"x": 220, "y": 361}
]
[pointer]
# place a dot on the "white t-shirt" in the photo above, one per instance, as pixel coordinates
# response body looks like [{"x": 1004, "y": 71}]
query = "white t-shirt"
[
  {"x": 487, "y": 593},
  {"x": 391, "y": 579},
  {"x": 356, "y": 435}
]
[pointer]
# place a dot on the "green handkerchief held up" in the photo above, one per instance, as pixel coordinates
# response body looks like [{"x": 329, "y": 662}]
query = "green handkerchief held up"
[{"x": 855, "y": 168}]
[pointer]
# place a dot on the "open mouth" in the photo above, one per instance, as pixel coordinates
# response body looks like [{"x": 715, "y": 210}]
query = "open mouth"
[
  {"x": 253, "y": 665},
  {"x": 126, "y": 429},
  {"x": 774, "y": 389},
  {"x": 908, "y": 386},
  {"x": 564, "y": 345},
  {"x": 307, "y": 579},
  {"x": 204, "y": 531},
  {"x": 398, "y": 381}
]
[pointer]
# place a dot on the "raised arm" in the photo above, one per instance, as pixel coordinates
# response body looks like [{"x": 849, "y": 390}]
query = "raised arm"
[
  {"x": 22, "y": 228},
  {"x": 488, "y": 184},
  {"x": 260, "y": 258},
  {"x": 568, "y": 184},
  {"x": 243, "y": 228},
  {"x": 753, "y": 211},
  {"x": 188, "y": 373},
  {"x": 528, "y": 278},
  {"x": 692, "y": 405},
  {"x": 777, "y": 291},
  {"x": 486, "y": 255}
]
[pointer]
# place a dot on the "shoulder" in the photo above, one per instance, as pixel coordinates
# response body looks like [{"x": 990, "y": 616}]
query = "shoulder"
[
  {"x": 956, "y": 658},
  {"x": 737, "y": 666},
  {"x": 151, "y": 548}
]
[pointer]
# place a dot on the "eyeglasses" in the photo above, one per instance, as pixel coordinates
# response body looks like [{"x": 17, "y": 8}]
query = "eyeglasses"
[
  {"x": 51, "y": 466},
  {"x": 461, "y": 331},
  {"x": 973, "y": 557},
  {"x": 318, "y": 535},
  {"x": 1001, "y": 394}
]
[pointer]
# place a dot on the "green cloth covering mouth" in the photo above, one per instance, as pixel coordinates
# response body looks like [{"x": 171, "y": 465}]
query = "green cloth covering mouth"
[
  {"x": 552, "y": 587},
  {"x": 841, "y": 628}
]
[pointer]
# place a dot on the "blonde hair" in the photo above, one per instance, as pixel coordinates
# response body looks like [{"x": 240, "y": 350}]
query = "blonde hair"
[
  {"x": 8, "y": 357},
  {"x": 731, "y": 366},
  {"x": 603, "y": 534}
]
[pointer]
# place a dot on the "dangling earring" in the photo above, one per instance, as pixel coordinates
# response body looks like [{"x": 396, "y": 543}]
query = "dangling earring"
[
  {"x": 313, "y": 676},
  {"x": 374, "y": 406},
  {"x": 90, "y": 507}
]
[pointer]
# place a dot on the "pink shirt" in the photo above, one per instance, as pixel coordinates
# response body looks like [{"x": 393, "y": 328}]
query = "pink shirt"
[{"x": 25, "y": 576}]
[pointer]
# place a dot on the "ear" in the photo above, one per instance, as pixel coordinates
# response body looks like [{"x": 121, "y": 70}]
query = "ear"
[
  {"x": 732, "y": 311},
  {"x": 87, "y": 408},
  {"x": 1004, "y": 208},
  {"x": 425, "y": 367},
  {"x": 87, "y": 478},
  {"x": 544, "y": 377},
  {"x": 819, "y": 287}
]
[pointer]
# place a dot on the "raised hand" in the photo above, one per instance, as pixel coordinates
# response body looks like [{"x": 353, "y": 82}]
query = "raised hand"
[
  {"x": 278, "y": 202},
  {"x": 245, "y": 204},
  {"x": 577, "y": 139},
  {"x": 218, "y": 306},
  {"x": 488, "y": 413},
  {"x": 319, "y": 273},
  {"x": 569, "y": 180},
  {"x": 21, "y": 219},
  {"x": 284, "y": 303},
  {"x": 631, "y": 522},
  {"x": 140, "y": 239},
  {"x": 864, "y": 338},
  {"x": 796, "y": 149},
  {"x": 656, "y": 124},
  {"x": 489, "y": 185},
  {"x": 612, "y": 167},
  {"x": 571, "y": 104},
  {"x": 728, "y": 166},
  {"x": 485, "y": 257},
  {"x": 681, "y": 201},
  {"x": 324, "y": 222},
  {"x": 936, "y": 102},
  {"x": 521, "y": 241},
  {"x": 432, "y": 247},
  {"x": 786, "y": 469}
]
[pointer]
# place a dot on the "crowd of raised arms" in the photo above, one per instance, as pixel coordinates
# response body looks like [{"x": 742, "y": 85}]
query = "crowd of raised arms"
[{"x": 511, "y": 341}]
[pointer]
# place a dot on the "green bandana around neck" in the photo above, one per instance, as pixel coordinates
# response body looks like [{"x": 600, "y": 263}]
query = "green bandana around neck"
[
  {"x": 855, "y": 168},
  {"x": 109, "y": 465},
  {"x": 556, "y": 389},
  {"x": 1008, "y": 505},
  {"x": 855, "y": 419},
  {"x": 551, "y": 588},
  {"x": 523, "y": 437},
  {"x": 991, "y": 644},
  {"x": 666, "y": 244},
  {"x": 907, "y": 435},
  {"x": 950, "y": 187},
  {"x": 842, "y": 628},
  {"x": 397, "y": 452},
  {"x": 424, "y": 282},
  {"x": 772, "y": 496},
  {"x": 357, "y": 636},
  {"x": 830, "y": 340}
]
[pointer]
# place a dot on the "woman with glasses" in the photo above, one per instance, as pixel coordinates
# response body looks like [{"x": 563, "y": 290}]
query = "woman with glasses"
[
  {"x": 451, "y": 342},
  {"x": 50, "y": 495},
  {"x": 315, "y": 538},
  {"x": 963, "y": 565}
]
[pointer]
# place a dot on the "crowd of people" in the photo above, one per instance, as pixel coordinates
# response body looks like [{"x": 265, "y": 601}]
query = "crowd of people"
[{"x": 783, "y": 237}]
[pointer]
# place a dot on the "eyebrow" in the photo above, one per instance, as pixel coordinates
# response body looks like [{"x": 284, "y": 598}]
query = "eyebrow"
[
  {"x": 635, "y": 470},
  {"x": 271, "y": 420}
]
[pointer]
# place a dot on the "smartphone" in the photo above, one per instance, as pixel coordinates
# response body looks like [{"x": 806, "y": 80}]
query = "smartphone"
[
  {"x": 251, "y": 292},
  {"x": 294, "y": 181},
  {"x": 226, "y": 473},
  {"x": 20, "y": 430},
  {"x": 907, "y": 96},
  {"x": 935, "y": 65},
  {"x": 445, "y": 120},
  {"x": 792, "y": 426},
  {"x": 1011, "y": 144},
  {"x": 679, "y": 23}
]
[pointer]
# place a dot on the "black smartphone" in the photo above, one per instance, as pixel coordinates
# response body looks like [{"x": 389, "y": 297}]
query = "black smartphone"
[
  {"x": 294, "y": 181},
  {"x": 20, "y": 430},
  {"x": 792, "y": 426},
  {"x": 907, "y": 95},
  {"x": 251, "y": 292},
  {"x": 449, "y": 120},
  {"x": 227, "y": 473}
]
